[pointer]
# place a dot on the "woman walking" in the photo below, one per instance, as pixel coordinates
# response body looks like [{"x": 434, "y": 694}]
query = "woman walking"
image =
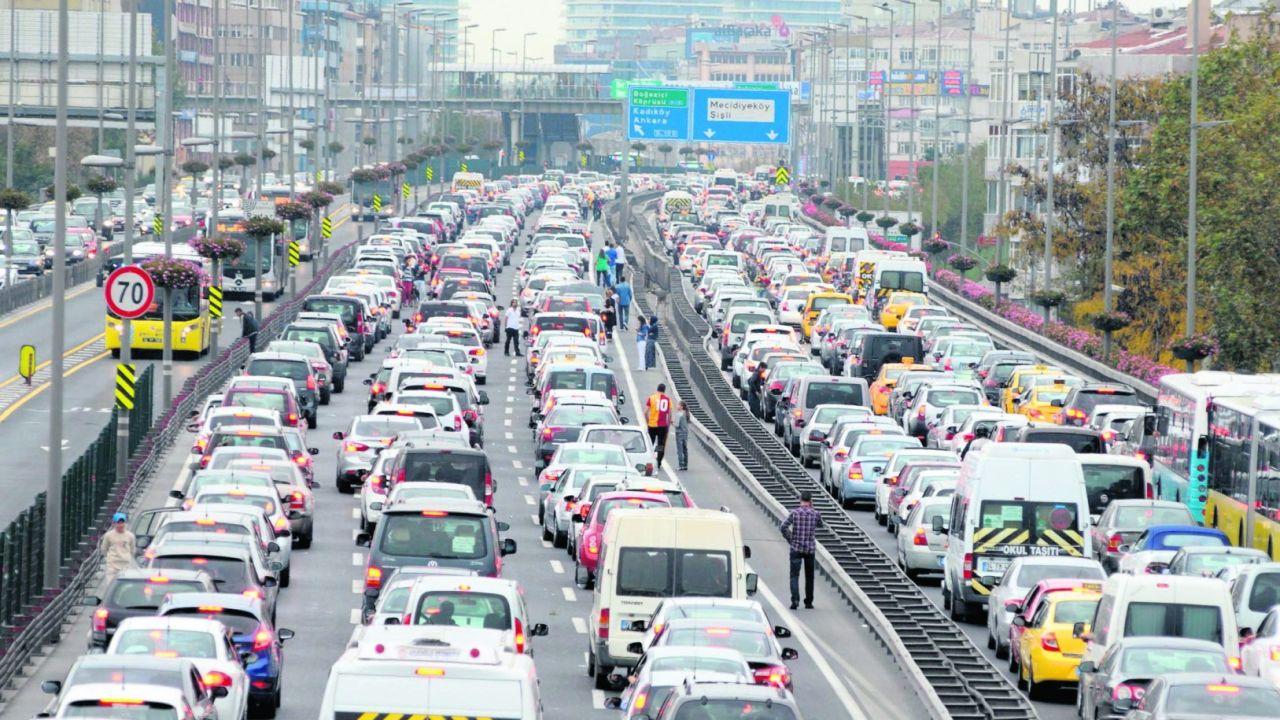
[
  {"x": 610, "y": 314},
  {"x": 602, "y": 269}
]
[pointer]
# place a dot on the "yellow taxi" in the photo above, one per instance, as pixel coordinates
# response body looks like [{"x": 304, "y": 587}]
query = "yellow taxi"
[
  {"x": 818, "y": 302},
  {"x": 1043, "y": 403},
  {"x": 1017, "y": 380},
  {"x": 897, "y": 304},
  {"x": 839, "y": 262},
  {"x": 885, "y": 382},
  {"x": 1049, "y": 652}
]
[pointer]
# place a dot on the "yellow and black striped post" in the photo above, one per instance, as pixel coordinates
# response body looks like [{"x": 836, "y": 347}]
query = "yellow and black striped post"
[
  {"x": 520, "y": 156},
  {"x": 782, "y": 176},
  {"x": 126, "y": 381},
  {"x": 377, "y": 203},
  {"x": 463, "y": 166},
  {"x": 215, "y": 301},
  {"x": 405, "y": 189},
  {"x": 295, "y": 253},
  {"x": 157, "y": 225},
  {"x": 430, "y": 174},
  {"x": 326, "y": 227}
]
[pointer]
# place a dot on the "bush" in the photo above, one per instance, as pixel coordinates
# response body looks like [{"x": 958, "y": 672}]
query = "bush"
[
  {"x": 1110, "y": 321},
  {"x": 195, "y": 167},
  {"x": 217, "y": 247},
  {"x": 268, "y": 153},
  {"x": 363, "y": 175},
  {"x": 100, "y": 184},
  {"x": 1000, "y": 273},
  {"x": 845, "y": 210},
  {"x": 173, "y": 274},
  {"x": 369, "y": 140},
  {"x": 14, "y": 200},
  {"x": 261, "y": 226},
  {"x": 1048, "y": 298},
  {"x": 491, "y": 145},
  {"x": 832, "y": 202},
  {"x": 307, "y": 144},
  {"x": 1194, "y": 347},
  {"x": 292, "y": 211},
  {"x": 963, "y": 263}
]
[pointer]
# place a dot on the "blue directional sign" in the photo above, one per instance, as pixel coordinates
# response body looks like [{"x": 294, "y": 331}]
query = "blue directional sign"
[
  {"x": 741, "y": 116},
  {"x": 658, "y": 113}
]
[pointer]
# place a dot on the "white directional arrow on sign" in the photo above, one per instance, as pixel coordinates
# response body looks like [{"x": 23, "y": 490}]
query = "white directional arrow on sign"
[
  {"x": 771, "y": 135},
  {"x": 709, "y": 132},
  {"x": 639, "y": 130}
]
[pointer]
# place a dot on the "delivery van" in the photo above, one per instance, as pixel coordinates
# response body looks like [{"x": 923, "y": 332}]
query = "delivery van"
[
  {"x": 655, "y": 553},
  {"x": 468, "y": 181},
  {"x": 1011, "y": 500}
]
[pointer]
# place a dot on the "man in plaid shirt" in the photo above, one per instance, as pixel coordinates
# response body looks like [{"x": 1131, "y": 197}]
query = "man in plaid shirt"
[{"x": 799, "y": 529}]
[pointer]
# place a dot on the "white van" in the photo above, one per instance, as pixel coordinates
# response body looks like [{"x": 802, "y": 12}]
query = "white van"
[
  {"x": 844, "y": 240},
  {"x": 781, "y": 206},
  {"x": 899, "y": 272},
  {"x": 1011, "y": 500},
  {"x": 432, "y": 671},
  {"x": 1181, "y": 606},
  {"x": 657, "y": 553},
  {"x": 675, "y": 201},
  {"x": 467, "y": 181}
]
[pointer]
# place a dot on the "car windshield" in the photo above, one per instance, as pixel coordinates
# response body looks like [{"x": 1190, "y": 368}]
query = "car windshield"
[
  {"x": 242, "y": 419},
  {"x": 463, "y": 609},
  {"x": 663, "y": 572},
  {"x": 1265, "y": 592},
  {"x": 264, "y": 400},
  {"x": 608, "y": 506},
  {"x": 1104, "y": 483},
  {"x": 238, "y": 622},
  {"x": 1141, "y": 517},
  {"x": 167, "y": 642},
  {"x": 1079, "y": 442},
  {"x": 1216, "y": 700},
  {"x": 229, "y": 574},
  {"x": 432, "y": 534},
  {"x": 726, "y": 709},
  {"x": 1153, "y": 661},
  {"x": 696, "y": 662},
  {"x": 580, "y": 416},
  {"x": 752, "y": 644},
  {"x": 441, "y": 404},
  {"x": 1177, "y": 540},
  {"x": 883, "y": 446},
  {"x": 1197, "y": 622}
]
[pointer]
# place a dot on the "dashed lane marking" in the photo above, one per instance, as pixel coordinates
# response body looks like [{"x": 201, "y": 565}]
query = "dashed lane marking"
[
  {"x": 357, "y": 587},
  {"x": 557, "y": 567},
  {"x": 524, "y": 481},
  {"x": 534, "y": 519},
  {"x": 569, "y": 596},
  {"x": 528, "y": 500},
  {"x": 510, "y": 436},
  {"x": 355, "y": 616},
  {"x": 517, "y": 464},
  {"x": 355, "y": 513},
  {"x": 579, "y": 625},
  {"x": 513, "y": 449},
  {"x": 357, "y": 559}
]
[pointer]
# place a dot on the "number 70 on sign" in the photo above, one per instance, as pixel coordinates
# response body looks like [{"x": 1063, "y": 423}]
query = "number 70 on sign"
[{"x": 129, "y": 292}]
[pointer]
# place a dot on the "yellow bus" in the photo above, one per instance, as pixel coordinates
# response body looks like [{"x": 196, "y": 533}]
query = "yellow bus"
[
  {"x": 190, "y": 331},
  {"x": 1231, "y": 424}
]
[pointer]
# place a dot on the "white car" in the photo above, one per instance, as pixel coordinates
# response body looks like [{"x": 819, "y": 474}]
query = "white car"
[
  {"x": 899, "y": 460},
  {"x": 632, "y": 439},
  {"x": 206, "y": 643},
  {"x": 663, "y": 669},
  {"x": 1261, "y": 656}
]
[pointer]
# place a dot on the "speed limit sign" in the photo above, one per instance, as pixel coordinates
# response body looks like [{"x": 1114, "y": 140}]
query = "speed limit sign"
[{"x": 130, "y": 292}]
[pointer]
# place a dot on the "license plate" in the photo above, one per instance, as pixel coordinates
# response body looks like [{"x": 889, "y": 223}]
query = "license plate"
[
  {"x": 426, "y": 653},
  {"x": 624, "y": 624},
  {"x": 942, "y": 560},
  {"x": 993, "y": 566}
]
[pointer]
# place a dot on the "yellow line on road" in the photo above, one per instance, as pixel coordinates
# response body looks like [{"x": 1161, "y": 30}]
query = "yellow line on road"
[
  {"x": 44, "y": 305},
  {"x": 17, "y": 405},
  {"x": 45, "y": 364}
]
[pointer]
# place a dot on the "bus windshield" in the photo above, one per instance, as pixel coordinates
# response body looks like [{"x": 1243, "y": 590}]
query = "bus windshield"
[
  {"x": 186, "y": 305},
  {"x": 263, "y": 248}
]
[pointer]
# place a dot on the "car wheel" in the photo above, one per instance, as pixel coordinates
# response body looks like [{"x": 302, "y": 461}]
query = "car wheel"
[
  {"x": 879, "y": 516},
  {"x": 559, "y": 539},
  {"x": 482, "y": 380},
  {"x": 344, "y": 487},
  {"x": 1002, "y": 650},
  {"x": 601, "y": 675},
  {"x": 546, "y": 534},
  {"x": 324, "y": 398},
  {"x": 286, "y": 576},
  {"x": 1013, "y": 661}
]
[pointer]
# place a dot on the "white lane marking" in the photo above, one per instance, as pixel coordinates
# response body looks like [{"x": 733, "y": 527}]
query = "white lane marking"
[
  {"x": 354, "y": 532},
  {"x": 509, "y": 410},
  {"x": 597, "y": 699},
  {"x": 546, "y": 543},
  {"x": 510, "y": 435},
  {"x": 852, "y": 710},
  {"x": 357, "y": 587},
  {"x": 568, "y": 594},
  {"x": 355, "y": 513},
  {"x": 528, "y": 500},
  {"x": 534, "y": 519},
  {"x": 512, "y": 448},
  {"x": 357, "y": 559},
  {"x": 355, "y": 616},
  {"x": 557, "y": 567},
  {"x": 579, "y": 625},
  {"x": 517, "y": 464},
  {"x": 524, "y": 481},
  {"x": 506, "y": 422}
]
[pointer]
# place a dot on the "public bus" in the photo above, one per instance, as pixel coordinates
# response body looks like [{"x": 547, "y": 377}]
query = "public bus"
[
  {"x": 190, "y": 331},
  {"x": 238, "y": 275},
  {"x": 1231, "y": 489}
]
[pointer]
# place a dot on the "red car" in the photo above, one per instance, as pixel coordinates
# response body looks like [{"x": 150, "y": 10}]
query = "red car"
[{"x": 592, "y": 525}]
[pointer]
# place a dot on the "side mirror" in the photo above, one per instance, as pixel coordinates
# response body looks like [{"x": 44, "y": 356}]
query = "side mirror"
[
  {"x": 91, "y": 601},
  {"x": 363, "y": 539},
  {"x": 484, "y": 398},
  {"x": 746, "y": 552},
  {"x": 612, "y": 703},
  {"x": 508, "y": 547},
  {"x": 1122, "y": 704},
  {"x": 502, "y": 526},
  {"x": 781, "y": 631},
  {"x": 391, "y": 621},
  {"x": 938, "y": 525},
  {"x": 313, "y": 451},
  {"x": 635, "y": 648},
  {"x": 624, "y": 420},
  {"x": 192, "y": 427},
  {"x": 270, "y": 582},
  {"x": 248, "y": 658},
  {"x": 539, "y": 630},
  {"x": 1055, "y": 403},
  {"x": 273, "y": 547},
  {"x": 576, "y": 518},
  {"x": 51, "y": 687},
  {"x": 285, "y": 634},
  {"x": 1077, "y": 630},
  {"x": 752, "y": 583},
  {"x": 177, "y": 495},
  {"x": 1013, "y": 605},
  {"x": 338, "y": 435},
  {"x": 1087, "y": 667},
  {"x": 790, "y": 654},
  {"x": 1157, "y": 568},
  {"x": 218, "y": 692},
  {"x": 367, "y": 381},
  {"x": 193, "y": 413}
]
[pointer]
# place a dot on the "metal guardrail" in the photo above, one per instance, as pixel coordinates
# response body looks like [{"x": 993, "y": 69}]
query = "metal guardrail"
[
  {"x": 928, "y": 645},
  {"x": 32, "y": 617}
]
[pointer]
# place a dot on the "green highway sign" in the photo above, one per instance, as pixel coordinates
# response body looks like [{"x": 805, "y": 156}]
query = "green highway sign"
[{"x": 618, "y": 88}]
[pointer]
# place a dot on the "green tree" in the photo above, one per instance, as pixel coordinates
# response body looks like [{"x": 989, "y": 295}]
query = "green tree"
[{"x": 950, "y": 187}]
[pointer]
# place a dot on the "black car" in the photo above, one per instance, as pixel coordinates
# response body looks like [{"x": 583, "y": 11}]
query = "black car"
[
  {"x": 1081, "y": 440},
  {"x": 138, "y": 593},
  {"x": 416, "y": 463},
  {"x": 1081, "y": 401},
  {"x": 876, "y": 349}
]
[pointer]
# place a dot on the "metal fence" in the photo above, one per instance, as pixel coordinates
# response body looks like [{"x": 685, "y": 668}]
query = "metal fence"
[{"x": 30, "y": 615}]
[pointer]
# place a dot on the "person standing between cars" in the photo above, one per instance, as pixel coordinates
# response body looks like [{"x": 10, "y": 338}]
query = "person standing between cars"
[
  {"x": 651, "y": 344},
  {"x": 611, "y": 254},
  {"x": 642, "y": 337},
  {"x": 511, "y": 322},
  {"x": 682, "y": 437},
  {"x": 658, "y": 418},
  {"x": 602, "y": 269},
  {"x": 623, "y": 290},
  {"x": 248, "y": 328},
  {"x": 801, "y": 529},
  {"x": 610, "y": 314},
  {"x": 118, "y": 547}
]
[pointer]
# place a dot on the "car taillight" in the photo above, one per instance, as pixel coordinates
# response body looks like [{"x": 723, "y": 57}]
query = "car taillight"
[
  {"x": 920, "y": 538},
  {"x": 476, "y": 352},
  {"x": 855, "y": 471},
  {"x": 373, "y": 577},
  {"x": 593, "y": 545},
  {"x": 1235, "y": 663},
  {"x": 775, "y": 675},
  {"x": 488, "y": 488},
  {"x": 1125, "y": 691},
  {"x": 297, "y": 501},
  {"x": 293, "y": 418},
  {"x": 602, "y": 629},
  {"x": 354, "y": 447},
  {"x": 841, "y": 454},
  {"x": 470, "y": 416},
  {"x": 376, "y": 484},
  {"x": 261, "y": 640},
  {"x": 214, "y": 678},
  {"x": 1049, "y": 641},
  {"x": 1275, "y": 653},
  {"x": 920, "y": 414},
  {"x": 548, "y": 434},
  {"x": 204, "y": 461},
  {"x": 519, "y": 636},
  {"x": 100, "y": 620},
  {"x": 1113, "y": 543},
  {"x": 968, "y": 567},
  {"x": 967, "y": 437},
  {"x": 301, "y": 460}
]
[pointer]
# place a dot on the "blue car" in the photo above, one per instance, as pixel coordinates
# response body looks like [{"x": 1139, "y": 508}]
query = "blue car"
[
  {"x": 868, "y": 459},
  {"x": 1159, "y": 543},
  {"x": 256, "y": 640}
]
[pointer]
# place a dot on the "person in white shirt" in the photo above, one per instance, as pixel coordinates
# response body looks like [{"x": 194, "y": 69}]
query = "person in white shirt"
[
  {"x": 512, "y": 322},
  {"x": 620, "y": 264}
]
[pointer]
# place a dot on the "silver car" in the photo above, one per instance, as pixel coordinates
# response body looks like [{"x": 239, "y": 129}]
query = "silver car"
[
  {"x": 365, "y": 436},
  {"x": 633, "y": 440},
  {"x": 920, "y": 548}
]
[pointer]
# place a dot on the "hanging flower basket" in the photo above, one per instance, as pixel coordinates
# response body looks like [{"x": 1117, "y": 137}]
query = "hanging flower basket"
[
  {"x": 336, "y": 147},
  {"x": 195, "y": 167},
  {"x": 1194, "y": 347},
  {"x": 316, "y": 199},
  {"x": 845, "y": 210},
  {"x": 173, "y": 274},
  {"x": 394, "y": 168},
  {"x": 909, "y": 229},
  {"x": 935, "y": 245},
  {"x": 985, "y": 241},
  {"x": 261, "y": 226},
  {"x": 218, "y": 247},
  {"x": 100, "y": 184},
  {"x": 363, "y": 175},
  {"x": 884, "y": 222},
  {"x": 1109, "y": 322},
  {"x": 1000, "y": 273},
  {"x": 293, "y": 211},
  {"x": 865, "y": 217},
  {"x": 831, "y": 202},
  {"x": 329, "y": 187},
  {"x": 1048, "y": 298},
  {"x": 963, "y": 263}
]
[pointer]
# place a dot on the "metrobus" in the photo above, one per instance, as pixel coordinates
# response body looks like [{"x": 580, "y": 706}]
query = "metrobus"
[
  {"x": 190, "y": 331},
  {"x": 1182, "y": 455},
  {"x": 1230, "y": 497},
  {"x": 239, "y": 276}
]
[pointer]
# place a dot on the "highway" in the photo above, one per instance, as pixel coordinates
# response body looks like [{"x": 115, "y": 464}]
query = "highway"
[
  {"x": 842, "y": 671},
  {"x": 89, "y": 374}
]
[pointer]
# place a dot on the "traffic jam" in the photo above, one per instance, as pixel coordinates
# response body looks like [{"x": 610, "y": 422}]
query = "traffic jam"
[{"x": 1061, "y": 520}]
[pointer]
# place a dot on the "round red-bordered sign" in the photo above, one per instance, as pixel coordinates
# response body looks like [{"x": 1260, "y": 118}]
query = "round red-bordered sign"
[{"x": 129, "y": 291}]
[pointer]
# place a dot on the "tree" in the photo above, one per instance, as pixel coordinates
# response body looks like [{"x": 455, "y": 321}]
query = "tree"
[
  {"x": 665, "y": 149},
  {"x": 950, "y": 193}
]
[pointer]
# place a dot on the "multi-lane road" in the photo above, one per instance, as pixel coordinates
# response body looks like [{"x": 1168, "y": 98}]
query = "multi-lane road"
[{"x": 842, "y": 671}]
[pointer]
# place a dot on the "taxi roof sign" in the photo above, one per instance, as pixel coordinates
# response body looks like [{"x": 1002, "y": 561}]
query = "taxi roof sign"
[{"x": 435, "y": 644}]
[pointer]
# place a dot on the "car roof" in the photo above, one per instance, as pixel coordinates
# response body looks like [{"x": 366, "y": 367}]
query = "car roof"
[
  {"x": 232, "y": 601},
  {"x": 450, "y": 505}
]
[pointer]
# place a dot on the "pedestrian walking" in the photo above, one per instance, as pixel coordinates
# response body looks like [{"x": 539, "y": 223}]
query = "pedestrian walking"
[
  {"x": 801, "y": 529},
  {"x": 602, "y": 269},
  {"x": 620, "y": 264},
  {"x": 248, "y": 328},
  {"x": 610, "y": 314},
  {"x": 611, "y": 254},
  {"x": 512, "y": 323},
  {"x": 651, "y": 344},
  {"x": 118, "y": 547},
  {"x": 658, "y": 418},
  {"x": 682, "y": 436},
  {"x": 624, "y": 292},
  {"x": 642, "y": 339}
]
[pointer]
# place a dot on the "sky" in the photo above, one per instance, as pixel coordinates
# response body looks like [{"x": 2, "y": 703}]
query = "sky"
[{"x": 545, "y": 17}]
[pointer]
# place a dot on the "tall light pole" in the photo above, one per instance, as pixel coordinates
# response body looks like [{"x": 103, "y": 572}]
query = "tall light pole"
[
  {"x": 130, "y": 178},
  {"x": 912, "y": 157},
  {"x": 462, "y": 84},
  {"x": 524, "y": 66},
  {"x": 886, "y": 94},
  {"x": 1111, "y": 182},
  {"x": 857, "y": 109},
  {"x": 493, "y": 73},
  {"x": 289, "y": 157},
  {"x": 53, "y": 491},
  {"x": 937, "y": 127},
  {"x": 164, "y": 179},
  {"x": 968, "y": 129},
  {"x": 1193, "y": 142},
  {"x": 13, "y": 84},
  {"x": 1007, "y": 76},
  {"x": 1051, "y": 212}
]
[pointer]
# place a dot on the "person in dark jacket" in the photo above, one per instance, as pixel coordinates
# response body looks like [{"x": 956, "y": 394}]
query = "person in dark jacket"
[
  {"x": 248, "y": 328},
  {"x": 651, "y": 344},
  {"x": 610, "y": 314},
  {"x": 755, "y": 401}
]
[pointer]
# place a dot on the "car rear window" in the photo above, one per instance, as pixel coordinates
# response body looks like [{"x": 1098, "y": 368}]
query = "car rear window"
[
  {"x": 833, "y": 393},
  {"x": 1079, "y": 442},
  {"x": 338, "y": 307},
  {"x": 255, "y": 399},
  {"x": 292, "y": 369},
  {"x": 888, "y": 348},
  {"x": 182, "y": 643},
  {"x": 227, "y": 573},
  {"x": 1198, "y": 622},
  {"x": 239, "y": 622},
  {"x": 648, "y": 572},
  {"x": 134, "y": 594},
  {"x": 445, "y": 536},
  {"x": 444, "y": 466},
  {"x": 1105, "y": 483},
  {"x": 1086, "y": 400},
  {"x": 463, "y": 609}
]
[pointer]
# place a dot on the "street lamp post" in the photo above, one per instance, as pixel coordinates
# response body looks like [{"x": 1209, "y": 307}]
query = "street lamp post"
[
  {"x": 1111, "y": 183},
  {"x": 1051, "y": 213},
  {"x": 53, "y": 492},
  {"x": 968, "y": 128},
  {"x": 105, "y": 162},
  {"x": 1007, "y": 76},
  {"x": 462, "y": 81},
  {"x": 857, "y": 111},
  {"x": 493, "y": 74},
  {"x": 937, "y": 128},
  {"x": 911, "y": 143},
  {"x": 164, "y": 179},
  {"x": 886, "y": 94}
]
